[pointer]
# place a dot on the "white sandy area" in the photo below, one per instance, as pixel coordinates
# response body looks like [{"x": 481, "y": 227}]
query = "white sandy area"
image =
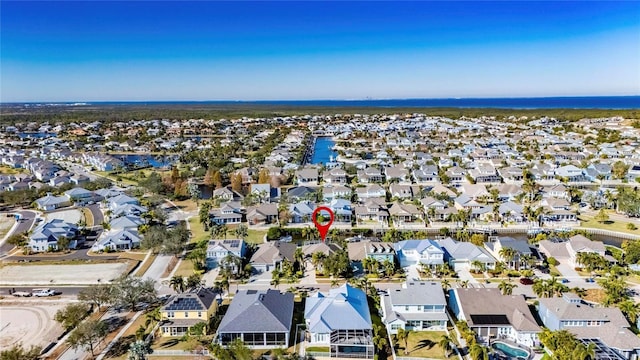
[
  {"x": 29, "y": 325},
  {"x": 60, "y": 274}
]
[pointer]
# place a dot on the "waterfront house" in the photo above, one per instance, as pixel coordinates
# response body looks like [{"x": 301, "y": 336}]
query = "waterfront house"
[
  {"x": 417, "y": 306},
  {"x": 520, "y": 248},
  {"x": 461, "y": 255},
  {"x": 567, "y": 251},
  {"x": 340, "y": 320},
  {"x": 261, "y": 319},
  {"x": 307, "y": 177},
  {"x": 377, "y": 250},
  {"x": 492, "y": 315},
  {"x": 416, "y": 252},
  {"x": 331, "y": 192},
  {"x": 585, "y": 321}
]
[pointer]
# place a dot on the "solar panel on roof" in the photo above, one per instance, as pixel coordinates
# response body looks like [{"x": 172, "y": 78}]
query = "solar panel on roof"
[{"x": 490, "y": 319}]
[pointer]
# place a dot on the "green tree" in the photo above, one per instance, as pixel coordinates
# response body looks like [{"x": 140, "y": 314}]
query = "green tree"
[
  {"x": 129, "y": 291},
  {"x": 97, "y": 295},
  {"x": 445, "y": 344},
  {"x": 87, "y": 334},
  {"x": 506, "y": 287},
  {"x": 402, "y": 336},
  {"x": 17, "y": 352},
  {"x": 138, "y": 350},
  {"x": 478, "y": 352},
  {"x": 602, "y": 216},
  {"x": 242, "y": 231},
  {"x": 71, "y": 315},
  {"x": 177, "y": 283}
]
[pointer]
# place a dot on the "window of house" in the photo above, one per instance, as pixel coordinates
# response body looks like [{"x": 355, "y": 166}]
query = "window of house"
[
  {"x": 396, "y": 326},
  {"x": 171, "y": 314},
  {"x": 186, "y": 314},
  {"x": 199, "y": 314}
]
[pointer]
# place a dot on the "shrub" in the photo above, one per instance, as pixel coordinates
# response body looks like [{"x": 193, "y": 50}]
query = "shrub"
[
  {"x": 552, "y": 261},
  {"x": 631, "y": 226}
]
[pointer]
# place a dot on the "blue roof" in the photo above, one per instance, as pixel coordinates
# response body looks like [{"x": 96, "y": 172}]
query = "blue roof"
[{"x": 345, "y": 308}]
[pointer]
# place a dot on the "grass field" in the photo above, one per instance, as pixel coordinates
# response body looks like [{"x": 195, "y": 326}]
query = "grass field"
[
  {"x": 186, "y": 205},
  {"x": 620, "y": 226},
  {"x": 197, "y": 230},
  {"x": 145, "y": 265},
  {"x": 88, "y": 217},
  {"x": 423, "y": 344},
  {"x": 8, "y": 170},
  {"x": 185, "y": 268},
  {"x": 256, "y": 236}
]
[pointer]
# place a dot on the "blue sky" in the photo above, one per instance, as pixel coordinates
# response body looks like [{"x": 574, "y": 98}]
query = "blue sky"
[{"x": 160, "y": 50}]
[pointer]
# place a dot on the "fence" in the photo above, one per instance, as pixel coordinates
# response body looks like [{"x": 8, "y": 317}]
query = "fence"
[{"x": 179, "y": 353}]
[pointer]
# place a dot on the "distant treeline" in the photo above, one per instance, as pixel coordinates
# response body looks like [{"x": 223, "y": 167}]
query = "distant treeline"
[{"x": 112, "y": 113}]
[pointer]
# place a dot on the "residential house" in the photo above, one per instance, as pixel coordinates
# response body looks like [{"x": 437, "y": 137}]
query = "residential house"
[
  {"x": 46, "y": 235},
  {"x": 456, "y": 175},
  {"x": 269, "y": 255},
  {"x": 126, "y": 222},
  {"x": 307, "y": 177},
  {"x": 182, "y": 311},
  {"x": 79, "y": 195},
  {"x": 50, "y": 202},
  {"x": 340, "y": 320},
  {"x": 598, "y": 172},
  {"x": 485, "y": 173},
  {"x": 397, "y": 173},
  {"x": 228, "y": 213},
  {"x": 462, "y": 255},
  {"x": 117, "y": 239},
  {"x": 556, "y": 191},
  {"x": 405, "y": 214},
  {"x": 128, "y": 210},
  {"x": 567, "y": 251},
  {"x": 401, "y": 191},
  {"x": 521, "y": 250},
  {"x": 416, "y": 252},
  {"x": 301, "y": 193},
  {"x": 331, "y": 192},
  {"x": 342, "y": 210},
  {"x": 263, "y": 214},
  {"x": 335, "y": 176},
  {"x": 120, "y": 200},
  {"x": 373, "y": 210},
  {"x": 571, "y": 173},
  {"x": 219, "y": 249},
  {"x": 370, "y": 191},
  {"x": 370, "y": 175},
  {"x": 380, "y": 251},
  {"x": 588, "y": 322},
  {"x": 417, "y": 306},
  {"x": 492, "y": 315},
  {"x": 260, "y": 318},
  {"x": 226, "y": 194},
  {"x": 427, "y": 174},
  {"x": 301, "y": 212}
]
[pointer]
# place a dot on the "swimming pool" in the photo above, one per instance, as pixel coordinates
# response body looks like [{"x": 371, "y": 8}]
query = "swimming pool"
[{"x": 510, "y": 351}]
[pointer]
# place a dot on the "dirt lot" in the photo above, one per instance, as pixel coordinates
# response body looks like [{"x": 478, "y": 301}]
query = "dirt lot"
[
  {"x": 30, "y": 325},
  {"x": 60, "y": 274},
  {"x": 5, "y": 224}
]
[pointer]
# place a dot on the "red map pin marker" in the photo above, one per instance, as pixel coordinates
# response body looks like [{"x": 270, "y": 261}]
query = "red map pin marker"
[{"x": 322, "y": 229}]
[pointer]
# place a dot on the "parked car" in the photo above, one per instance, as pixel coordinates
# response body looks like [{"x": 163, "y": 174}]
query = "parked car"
[
  {"x": 526, "y": 281},
  {"x": 43, "y": 292},
  {"x": 564, "y": 281}
]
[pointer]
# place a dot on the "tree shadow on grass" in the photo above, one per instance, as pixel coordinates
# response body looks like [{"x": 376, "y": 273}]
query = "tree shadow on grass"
[
  {"x": 609, "y": 222},
  {"x": 428, "y": 344},
  {"x": 170, "y": 343},
  {"x": 121, "y": 346}
]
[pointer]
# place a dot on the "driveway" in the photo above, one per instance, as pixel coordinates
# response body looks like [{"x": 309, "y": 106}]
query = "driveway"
[
  {"x": 98, "y": 217},
  {"x": 412, "y": 272}
]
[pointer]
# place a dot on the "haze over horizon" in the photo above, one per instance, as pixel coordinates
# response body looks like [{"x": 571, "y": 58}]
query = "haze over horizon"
[{"x": 203, "y": 51}]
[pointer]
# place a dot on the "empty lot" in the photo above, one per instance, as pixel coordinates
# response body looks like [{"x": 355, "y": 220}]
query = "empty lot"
[
  {"x": 29, "y": 325},
  {"x": 51, "y": 275}
]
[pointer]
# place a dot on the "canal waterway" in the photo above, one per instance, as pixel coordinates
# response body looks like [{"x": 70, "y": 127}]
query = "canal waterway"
[{"x": 322, "y": 151}]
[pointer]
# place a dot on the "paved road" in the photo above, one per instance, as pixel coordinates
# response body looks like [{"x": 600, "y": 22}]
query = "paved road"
[
  {"x": 27, "y": 219},
  {"x": 66, "y": 290},
  {"x": 98, "y": 217}
]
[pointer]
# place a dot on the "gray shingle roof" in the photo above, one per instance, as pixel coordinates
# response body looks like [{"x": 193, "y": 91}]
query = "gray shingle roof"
[
  {"x": 253, "y": 310},
  {"x": 418, "y": 293}
]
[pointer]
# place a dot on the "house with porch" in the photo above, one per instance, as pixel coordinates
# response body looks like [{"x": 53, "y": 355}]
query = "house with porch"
[
  {"x": 51, "y": 202},
  {"x": 373, "y": 210},
  {"x": 263, "y": 214},
  {"x": 340, "y": 320},
  {"x": 219, "y": 249},
  {"x": 307, "y": 177},
  {"x": 521, "y": 250},
  {"x": 46, "y": 235},
  {"x": 331, "y": 192},
  {"x": 117, "y": 239},
  {"x": 462, "y": 255},
  {"x": 416, "y": 252},
  {"x": 335, "y": 176},
  {"x": 342, "y": 210},
  {"x": 493, "y": 316},
  {"x": 228, "y": 213},
  {"x": 370, "y": 175},
  {"x": 586, "y": 322},
  {"x": 405, "y": 214},
  {"x": 269, "y": 255},
  {"x": 417, "y": 306},
  {"x": 380, "y": 251},
  {"x": 182, "y": 311},
  {"x": 260, "y": 318}
]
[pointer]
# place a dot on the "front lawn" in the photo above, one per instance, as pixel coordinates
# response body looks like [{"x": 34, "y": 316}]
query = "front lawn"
[
  {"x": 423, "y": 344},
  {"x": 256, "y": 236},
  {"x": 197, "y": 230}
]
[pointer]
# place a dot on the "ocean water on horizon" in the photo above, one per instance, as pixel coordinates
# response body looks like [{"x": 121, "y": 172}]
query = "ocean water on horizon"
[{"x": 574, "y": 102}]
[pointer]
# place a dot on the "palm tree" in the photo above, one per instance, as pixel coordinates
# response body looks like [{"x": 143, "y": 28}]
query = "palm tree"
[
  {"x": 477, "y": 265},
  {"x": 506, "y": 288},
  {"x": 334, "y": 283},
  {"x": 153, "y": 317},
  {"x": 403, "y": 336},
  {"x": 445, "y": 344},
  {"x": 630, "y": 309},
  {"x": 478, "y": 352},
  {"x": 389, "y": 267},
  {"x": 508, "y": 254},
  {"x": 299, "y": 257},
  {"x": 464, "y": 284},
  {"x": 242, "y": 231},
  {"x": 445, "y": 284},
  {"x": 317, "y": 259},
  {"x": 177, "y": 283}
]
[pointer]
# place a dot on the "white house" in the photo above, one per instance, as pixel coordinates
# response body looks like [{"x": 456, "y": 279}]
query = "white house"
[{"x": 416, "y": 306}]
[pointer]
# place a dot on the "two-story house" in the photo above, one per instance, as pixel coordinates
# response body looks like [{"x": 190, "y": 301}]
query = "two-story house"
[
  {"x": 370, "y": 175},
  {"x": 331, "y": 192},
  {"x": 185, "y": 310},
  {"x": 340, "y": 320},
  {"x": 414, "y": 252},
  {"x": 380, "y": 251},
  {"x": 605, "y": 324},
  {"x": 307, "y": 177},
  {"x": 335, "y": 176},
  {"x": 405, "y": 214},
  {"x": 219, "y": 249},
  {"x": 417, "y": 306}
]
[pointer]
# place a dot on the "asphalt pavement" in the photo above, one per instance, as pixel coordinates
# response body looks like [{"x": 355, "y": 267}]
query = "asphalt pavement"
[
  {"x": 98, "y": 217},
  {"x": 26, "y": 221}
]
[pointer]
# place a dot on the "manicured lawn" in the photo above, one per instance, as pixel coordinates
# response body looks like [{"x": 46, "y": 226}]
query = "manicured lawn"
[
  {"x": 197, "y": 230},
  {"x": 145, "y": 265},
  {"x": 256, "y": 236},
  {"x": 611, "y": 225},
  {"x": 185, "y": 268},
  {"x": 186, "y": 205},
  {"x": 423, "y": 344},
  {"x": 317, "y": 349}
]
